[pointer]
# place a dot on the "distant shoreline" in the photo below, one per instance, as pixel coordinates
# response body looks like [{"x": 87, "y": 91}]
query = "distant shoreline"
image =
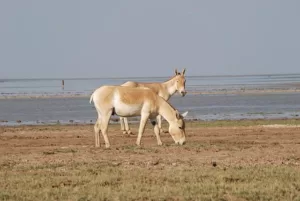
[
  {"x": 275, "y": 122},
  {"x": 195, "y": 92}
]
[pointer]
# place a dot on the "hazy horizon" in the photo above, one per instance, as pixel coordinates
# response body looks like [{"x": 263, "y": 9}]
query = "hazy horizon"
[
  {"x": 166, "y": 76},
  {"x": 101, "y": 39}
]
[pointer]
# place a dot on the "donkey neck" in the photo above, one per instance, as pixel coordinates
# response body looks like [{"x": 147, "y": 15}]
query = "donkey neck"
[
  {"x": 170, "y": 86},
  {"x": 166, "y": 110}
]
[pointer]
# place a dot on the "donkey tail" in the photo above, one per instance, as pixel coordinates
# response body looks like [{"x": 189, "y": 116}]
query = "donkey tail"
[{"x": 91, "y": 99}]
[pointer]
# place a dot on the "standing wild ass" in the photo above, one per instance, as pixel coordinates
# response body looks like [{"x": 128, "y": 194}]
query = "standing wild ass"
[
  {"x": 165, "y": 90},
  {"x": 135, "y": 101}
]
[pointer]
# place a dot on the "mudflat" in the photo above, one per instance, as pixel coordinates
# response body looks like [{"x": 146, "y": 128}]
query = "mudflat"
[{"x": 222, "y": 160}]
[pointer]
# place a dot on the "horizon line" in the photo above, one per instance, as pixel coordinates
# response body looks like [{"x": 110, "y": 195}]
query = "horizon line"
[{"x": 109, "y": 77}]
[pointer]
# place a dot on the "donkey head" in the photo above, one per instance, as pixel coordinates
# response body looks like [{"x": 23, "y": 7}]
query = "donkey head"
[
  {"x": 180, "y": 82},
  {"x": 177, "y": 128}
]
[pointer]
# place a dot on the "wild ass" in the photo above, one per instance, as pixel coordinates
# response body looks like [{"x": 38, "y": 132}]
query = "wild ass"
[
  {"x": 165, "y": 90},
  {"x": 135, "y": 101}
]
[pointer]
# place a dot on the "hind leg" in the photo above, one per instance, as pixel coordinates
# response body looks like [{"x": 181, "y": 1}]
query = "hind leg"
[
  {"x": 104, "y": 127},
  {"x": 122, "y": 125},
  {"x": 97, "y": 132},
  {"x": 127, "y": 126}
]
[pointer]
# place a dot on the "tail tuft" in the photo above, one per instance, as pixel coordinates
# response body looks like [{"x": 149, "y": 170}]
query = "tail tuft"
[{"x": 91, "y": 99}]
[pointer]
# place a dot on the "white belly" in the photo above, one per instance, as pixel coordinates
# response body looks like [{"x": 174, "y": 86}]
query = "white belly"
[{"x": 126, "y": 110}]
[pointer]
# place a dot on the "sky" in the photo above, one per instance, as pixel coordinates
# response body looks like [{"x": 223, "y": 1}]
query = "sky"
[{"x": 138, "y": 38}]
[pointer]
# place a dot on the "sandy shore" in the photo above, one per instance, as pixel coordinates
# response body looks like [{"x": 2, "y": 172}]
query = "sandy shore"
[{"x": 227, "y": 142}]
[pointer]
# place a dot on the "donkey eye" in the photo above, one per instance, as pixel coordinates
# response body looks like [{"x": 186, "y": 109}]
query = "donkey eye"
[{"x": 180, "y": 127}]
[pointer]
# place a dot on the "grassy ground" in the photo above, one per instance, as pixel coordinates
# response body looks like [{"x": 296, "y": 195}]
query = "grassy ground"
[
  {"x": 110, "y": 181},
  {"x": 222, "y": 160}
]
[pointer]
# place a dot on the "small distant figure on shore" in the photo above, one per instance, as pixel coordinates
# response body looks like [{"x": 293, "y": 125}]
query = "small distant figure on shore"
[{"x": 62, "y": 84}]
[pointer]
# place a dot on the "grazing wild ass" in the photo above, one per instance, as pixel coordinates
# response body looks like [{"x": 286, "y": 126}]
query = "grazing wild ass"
[
  {"x": 135, "y": 101},
  {"x": 165, "y": 90}
]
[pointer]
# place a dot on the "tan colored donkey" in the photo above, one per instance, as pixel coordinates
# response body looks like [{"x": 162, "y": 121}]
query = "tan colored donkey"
[
  {"x": 135, "y": 101},
  {"x": 165, "y": 90}
]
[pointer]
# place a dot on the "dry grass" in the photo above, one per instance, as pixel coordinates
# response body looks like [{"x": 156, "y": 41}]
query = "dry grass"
[
  {"x": 114, "y": 181},
  {"x": 223, "y": 160}
]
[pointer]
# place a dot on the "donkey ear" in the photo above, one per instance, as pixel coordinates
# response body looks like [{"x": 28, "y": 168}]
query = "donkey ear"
[
  {"x": 176, "y": 72},
  {"x": 183, "y": 71},
  {"x": 185, "y": 113}
]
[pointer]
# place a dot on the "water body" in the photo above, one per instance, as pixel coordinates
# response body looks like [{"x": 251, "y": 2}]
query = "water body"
[
  {"x": 49, "y": 87},
  {"x": 205, "y": 107}
]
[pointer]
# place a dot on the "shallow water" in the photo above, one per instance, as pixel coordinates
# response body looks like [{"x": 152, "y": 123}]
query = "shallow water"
[
  {"x": 21, "y": 87},
  {"x": 205, "y": 107}
]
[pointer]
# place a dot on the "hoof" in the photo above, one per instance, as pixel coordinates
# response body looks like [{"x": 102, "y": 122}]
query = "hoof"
[
  {"x": 159, "y": 143},
  {"x": 127, "y": 132}
]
